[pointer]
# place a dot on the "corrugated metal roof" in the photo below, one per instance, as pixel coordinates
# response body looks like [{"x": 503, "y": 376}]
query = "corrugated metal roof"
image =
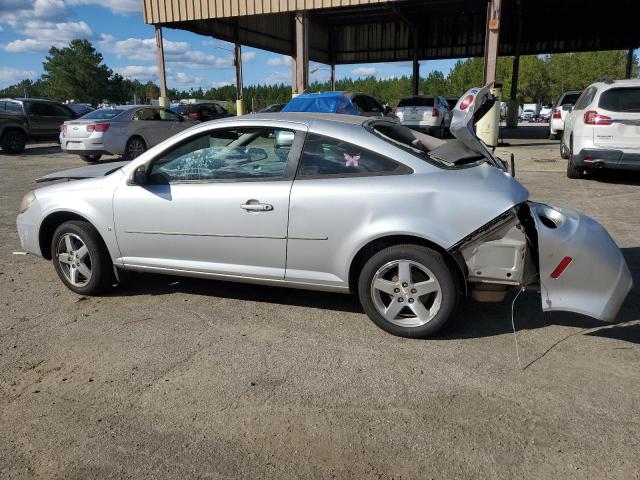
[
  {"x": 363, "y": 31},
  {"x": 164, "y": 11}
]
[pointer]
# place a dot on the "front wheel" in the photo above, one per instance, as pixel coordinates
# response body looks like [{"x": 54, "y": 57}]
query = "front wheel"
[
  {"x": 80, "y": 258},
  {"x": 135, "y": 147},
  {"x": 408, "y": 290},
  {"x": 90, "y": 158},
  {"x": 13, "y": 141}
]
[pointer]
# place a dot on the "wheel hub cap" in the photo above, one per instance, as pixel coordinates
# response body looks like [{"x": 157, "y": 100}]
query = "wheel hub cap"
[{"x": 74, "y": 259}]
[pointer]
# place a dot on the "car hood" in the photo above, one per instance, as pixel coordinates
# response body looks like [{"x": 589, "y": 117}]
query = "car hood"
[{"x": 90, "y": 171}]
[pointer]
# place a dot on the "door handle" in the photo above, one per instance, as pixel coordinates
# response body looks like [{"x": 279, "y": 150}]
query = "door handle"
[{"x": 256, "y": 207}]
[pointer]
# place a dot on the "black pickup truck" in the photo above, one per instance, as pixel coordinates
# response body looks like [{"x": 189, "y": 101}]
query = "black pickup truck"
[{"x": 30, "y": 119}]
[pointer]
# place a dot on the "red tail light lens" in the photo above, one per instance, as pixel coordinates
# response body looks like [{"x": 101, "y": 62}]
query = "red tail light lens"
[
  {"x": 63, "y": 128},
  {"x": 564, "y": 263},
  {"x": 594, "y": 118},
  {"x": 195, "y": 116},
  {"x": 98, "y": 127},
  {"x": 466, "y": 101},
  {"x": 435, "y": 112},
  {"x": 556, "y": 113}
]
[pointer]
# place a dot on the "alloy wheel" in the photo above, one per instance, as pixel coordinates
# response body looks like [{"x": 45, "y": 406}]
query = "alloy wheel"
[
  {"x": 406, "y": 293},
  {"x": 74, "y": 259},
  {"x": 136, "y": 148}
]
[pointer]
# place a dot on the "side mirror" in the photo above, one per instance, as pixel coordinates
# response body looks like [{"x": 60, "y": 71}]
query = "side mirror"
[
  {"x": 139, "y": 176},
  {"x": 388, "y": 110}
]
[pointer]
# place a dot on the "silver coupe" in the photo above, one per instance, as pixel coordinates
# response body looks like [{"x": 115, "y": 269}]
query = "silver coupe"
[{"x": 341, "y": 203}]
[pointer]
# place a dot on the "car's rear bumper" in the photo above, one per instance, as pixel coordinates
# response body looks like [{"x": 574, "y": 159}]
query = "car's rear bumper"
[
  {"x": 607, "y": 158},
  {"x": 83, "y": 146}
]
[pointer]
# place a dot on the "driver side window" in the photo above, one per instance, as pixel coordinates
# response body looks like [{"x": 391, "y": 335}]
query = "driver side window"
[{"x": 243, "y": 154}]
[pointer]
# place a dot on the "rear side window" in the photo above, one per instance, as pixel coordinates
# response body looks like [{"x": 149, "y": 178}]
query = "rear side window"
[
  {"x": 569, "y": 99},
  {"x": 11, "y": 107},
  {"x": 325, "y": 156},
  {"x": 585, "y": 99},
  {"x": 416, "y": 102},
  {"x": 621, "y": 99}
]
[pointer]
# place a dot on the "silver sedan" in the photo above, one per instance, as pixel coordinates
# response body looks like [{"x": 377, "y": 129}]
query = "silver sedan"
[
  {"x": 340, "y": 203},
  {"x": 127, "y": 131}
]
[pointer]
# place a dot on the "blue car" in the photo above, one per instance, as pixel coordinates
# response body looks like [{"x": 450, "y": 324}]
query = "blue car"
[{"x": 349, "y": 103}]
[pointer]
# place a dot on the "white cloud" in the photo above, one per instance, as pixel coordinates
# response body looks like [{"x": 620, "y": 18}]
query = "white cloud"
[
  {"x": 174, "y": 52},
  {"x": 138, "y": 72},
  {"x": 10, "y": 76},
  {"x": 144, "y": 73},
  {"x": 248, "y": 56},
  {"x": 116, "y": 6},
  {"x": 280, "y": 61},
  {"x": 215, "y": 84},
  {"x": 277, "y": 78},
  {"x": 42, "y": 35},
  {"x": 14, "y": 11},
  {"x": 364, "y": 71}
]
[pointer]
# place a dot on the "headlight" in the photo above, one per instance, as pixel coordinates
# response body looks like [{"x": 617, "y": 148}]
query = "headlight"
[{"x": 26, "y": 202}]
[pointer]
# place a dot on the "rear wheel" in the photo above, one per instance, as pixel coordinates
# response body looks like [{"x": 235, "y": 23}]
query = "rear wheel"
[
  {"x": 554, "y": 136},
  {"x": 90, "y": 158},
  {"x": 80, "y": 258},
  {"x": 13, "y": 141},
  {"x": 572, "y": 170},
  {"x": 408, "y": 290},
  {"x": 135, "y": 147},
  {"x": 563, "y": 151}
]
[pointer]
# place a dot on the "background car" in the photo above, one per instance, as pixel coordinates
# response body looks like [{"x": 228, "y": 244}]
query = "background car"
[
  {"x": 529, "y": 115},
  {"x": 29, "y": 119},
  {"x": 343, "y": 203},
  {"x": 274, "y": 107},
  {"x": 350, "y": 103},
  {"x": 202, "y": 111},
  {"x": 426, "y": 113},
  {"x": 545, "y": 113},
  {"x": 561, "y": 108},
  {"x": 80, "y": 109},
  {"x": 603, "y": 128},
  {"x": 127, "y": 131}
]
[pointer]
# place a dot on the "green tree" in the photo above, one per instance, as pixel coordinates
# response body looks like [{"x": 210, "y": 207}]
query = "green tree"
[{"x": 76, "y": 72}]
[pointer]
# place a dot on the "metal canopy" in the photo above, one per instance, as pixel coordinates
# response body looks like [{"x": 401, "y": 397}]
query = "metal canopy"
[{"x": 381, "y": 31}]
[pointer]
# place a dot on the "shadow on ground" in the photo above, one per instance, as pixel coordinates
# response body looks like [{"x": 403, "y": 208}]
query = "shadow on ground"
[{"x": 473, "y": 320}]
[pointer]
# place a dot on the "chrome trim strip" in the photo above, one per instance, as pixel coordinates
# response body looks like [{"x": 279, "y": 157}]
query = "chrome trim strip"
[{"x": 225, "y": 235}]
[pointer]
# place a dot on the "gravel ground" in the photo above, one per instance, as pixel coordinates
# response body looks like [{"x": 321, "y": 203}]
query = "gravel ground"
[{"x": 180, "y": 378}]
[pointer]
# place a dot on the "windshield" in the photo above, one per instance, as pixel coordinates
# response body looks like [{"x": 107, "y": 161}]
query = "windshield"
[
  {"x": 416, "y": 102},
  {"x": 103, "y": 114}
]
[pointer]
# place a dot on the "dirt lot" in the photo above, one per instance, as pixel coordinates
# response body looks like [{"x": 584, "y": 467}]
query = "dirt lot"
[{"x": 179, "y": 378}]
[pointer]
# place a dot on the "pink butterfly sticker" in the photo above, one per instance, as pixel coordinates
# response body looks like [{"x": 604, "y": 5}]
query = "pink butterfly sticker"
[{"x": 350, "y": 161}]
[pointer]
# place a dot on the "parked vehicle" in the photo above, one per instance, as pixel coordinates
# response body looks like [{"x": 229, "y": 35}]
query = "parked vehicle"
[
  {"x": 529, "y": 115},
  {"x": 126, "y": 130},
  {"x": 426, "y": 113},
  {"x": 545, "y": 113},
  {"x": 341, "y": 203},
  {"x": 560, "y": 110},
  {"x": 29, "y": 119},
  {"x": 274, "y": 107},
  {"x": 80, "y": 109},
  {"x": 350, "y": 103},
  {"x": 202, "y": 111},
  {"x": 603, "y": 128}
]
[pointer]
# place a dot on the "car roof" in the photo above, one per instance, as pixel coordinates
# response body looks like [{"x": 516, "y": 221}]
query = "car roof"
[
  {"x": 627, "y": 82},
  {"x": 305, "y": 117}
]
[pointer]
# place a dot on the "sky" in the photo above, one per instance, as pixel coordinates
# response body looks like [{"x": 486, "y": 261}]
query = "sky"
[{"x": 28, "y": 28}]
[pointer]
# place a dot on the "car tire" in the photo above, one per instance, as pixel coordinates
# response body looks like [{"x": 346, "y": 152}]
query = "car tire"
[
  {"x": 442, "y": 131},
  {"x": 135, "y": 147},
  {"x": 81, "y": 259},
  {"x": 554, "y": 136},
  {"x": 395, "y": 304},
  {"x": 13, "y": 141},
  {"x": 91, "y": 158},
  {"x": 573, "y": 171}
]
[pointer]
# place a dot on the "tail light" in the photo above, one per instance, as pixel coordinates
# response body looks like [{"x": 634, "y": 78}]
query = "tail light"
[
  {"x": 435, "y": 112},
  {"x": 466, "y": 101},
  {"x": 195, "y": 116},
  {"x": 63, "y": 128},
  {"x": 594, "y": 118},
  {"x": 556, "y": 113},
  {"x": 98, "y": 127}
]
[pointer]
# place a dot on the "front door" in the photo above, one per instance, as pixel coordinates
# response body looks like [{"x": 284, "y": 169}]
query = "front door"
[{"x": 215, "y": 203}]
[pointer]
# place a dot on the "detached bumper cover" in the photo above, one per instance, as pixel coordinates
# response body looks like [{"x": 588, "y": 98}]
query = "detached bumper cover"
[{"x": 595, "y": 279}]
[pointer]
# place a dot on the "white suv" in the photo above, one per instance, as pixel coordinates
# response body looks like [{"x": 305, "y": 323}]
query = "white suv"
[
  {"x": 559, "y": 113},
  {"x": 603, "y": 128},
  {"x": 427, "y": 113}
]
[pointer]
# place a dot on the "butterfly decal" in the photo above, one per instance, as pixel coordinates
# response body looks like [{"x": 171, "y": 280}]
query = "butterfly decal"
[{"x": 351, "y": 161}]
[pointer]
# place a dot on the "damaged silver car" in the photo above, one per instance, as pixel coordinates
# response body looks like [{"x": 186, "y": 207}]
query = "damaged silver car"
[{"x": 327, "y": 202}]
